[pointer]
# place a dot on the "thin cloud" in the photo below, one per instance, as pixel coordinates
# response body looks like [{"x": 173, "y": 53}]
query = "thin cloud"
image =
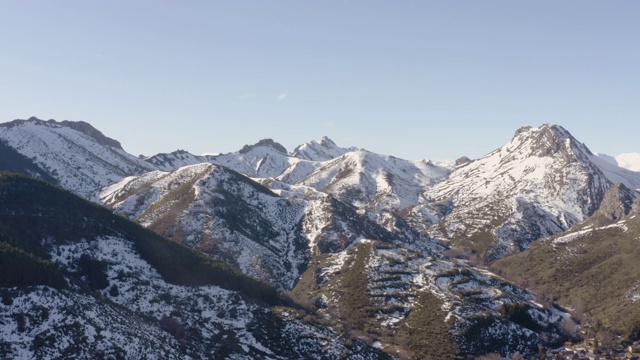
[
  {"x": 282, "y": 96},
  {"x": 99, "y": 55},
  {"x": 246, "y": 96}
]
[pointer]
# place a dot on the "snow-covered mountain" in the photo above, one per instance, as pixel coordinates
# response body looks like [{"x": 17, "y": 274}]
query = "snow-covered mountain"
[
  {"x": 542, "y": 182},
  {"x": 266, "y": 158},
  {"x": 268, "y": 234},
  {"x": 176, "y": 159},
  {"x": 220, "y": 212},
  {"x": 78, "y": 156},
  {"x": 353, "y": 238},
  {"x": 322, "y": 150},
  {"x": 407, "y": 272},
  {"x": 375, "y": 182},
  {"x": 99, "y": 286}
]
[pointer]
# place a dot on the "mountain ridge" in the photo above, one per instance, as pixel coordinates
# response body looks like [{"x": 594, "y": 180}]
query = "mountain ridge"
[{"x": 321, "y": 220}]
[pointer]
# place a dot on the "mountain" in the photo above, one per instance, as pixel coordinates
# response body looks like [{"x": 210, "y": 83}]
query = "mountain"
[
  {"x": 251, "y": 159},
  {"x": 267, "y": 234},
  {"x": 419, "y": 306},
  {"x": 176, "y": 159},
  {"x": 376, "y": 182},
  {"x": 371, "y": 254},
  {"x": 266, "y": 158},
  {"x": 385, "y": 187},
  {"x": 112, "y": 289},
  {"x": 322, "y": 150},
  {"x": 220, "y": 212},
  {"x": 75, "y": 154},
  {"x": 591, "y": 268},
  {"x": 541, "y": 183},
  {"x": 302, "y": 239}
]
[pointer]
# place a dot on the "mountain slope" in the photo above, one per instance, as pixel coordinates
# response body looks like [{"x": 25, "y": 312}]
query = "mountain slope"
[
  {"x": 176, "y": 159},
  {"x": 592, "y": 268},
  {"x": 222, "y": 213},
  {"x": 267, "y": 234},
  {"x": 79, "y": 157},
  {"x": 127, "y": 292},
  {"x": 11, "y": 160},
  {"x": 421, "y": 306},
  {"x": 541, "y": 183},
  {"x": 375, "y": 182}
]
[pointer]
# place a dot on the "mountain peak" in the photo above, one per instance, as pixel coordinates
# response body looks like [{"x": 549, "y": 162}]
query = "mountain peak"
[
  {"x": 81, "y": 126},
  {"x": 322, "y": 150},
  {"x": 264, "y": 143},
  {"x": 548, "y": 140},
  {"x": 326, "y": 141}
]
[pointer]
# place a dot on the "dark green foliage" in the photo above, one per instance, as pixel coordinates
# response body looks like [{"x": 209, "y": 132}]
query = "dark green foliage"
[
  {"x": 429, "y": 335},
  {"x": 7, "y": 298},
  {"x": 113, "y": 291},
  {"x": 356, "y": 298},
  {"x": 271, "y": 330},
  {"x": 519, "y": 314},
  {"x": 32, "y": 210},
  {"x": 19, "y": 268},
  {"x": 477, "y": 335},
  {"x": 244, "y": 218},
  {"x": 21, "y": 321},
  {"x": 95, "y": 272},
  {"x": 11, "y": 160}
]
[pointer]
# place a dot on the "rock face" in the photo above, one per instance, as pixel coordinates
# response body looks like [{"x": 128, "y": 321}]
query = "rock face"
[
  {"x": 268, "y": 143},
  {"x": 617, "y": 203}
]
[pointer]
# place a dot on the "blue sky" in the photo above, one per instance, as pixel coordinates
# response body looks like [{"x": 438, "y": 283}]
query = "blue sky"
[{"x": 414, "y": 79}]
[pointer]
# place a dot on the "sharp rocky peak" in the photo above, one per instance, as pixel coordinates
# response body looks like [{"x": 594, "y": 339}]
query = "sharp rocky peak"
[
  {"x": 617, "y": 202},
  {"x": 264, "y": 143},
  {"x": 318, "y": 150},
  {"x": 325, "y": 141},
  {"x": 548, "y": 140}
]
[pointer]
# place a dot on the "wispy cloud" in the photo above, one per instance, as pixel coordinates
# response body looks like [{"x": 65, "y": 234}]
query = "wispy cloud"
[
  {"x": 100, "y": 55},
  {"x": 282, "y": 96},
  {"x": 246, "y": 96}
]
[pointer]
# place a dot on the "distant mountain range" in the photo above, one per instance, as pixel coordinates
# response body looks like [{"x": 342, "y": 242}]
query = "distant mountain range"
[{"x": 386, "y": 254}]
